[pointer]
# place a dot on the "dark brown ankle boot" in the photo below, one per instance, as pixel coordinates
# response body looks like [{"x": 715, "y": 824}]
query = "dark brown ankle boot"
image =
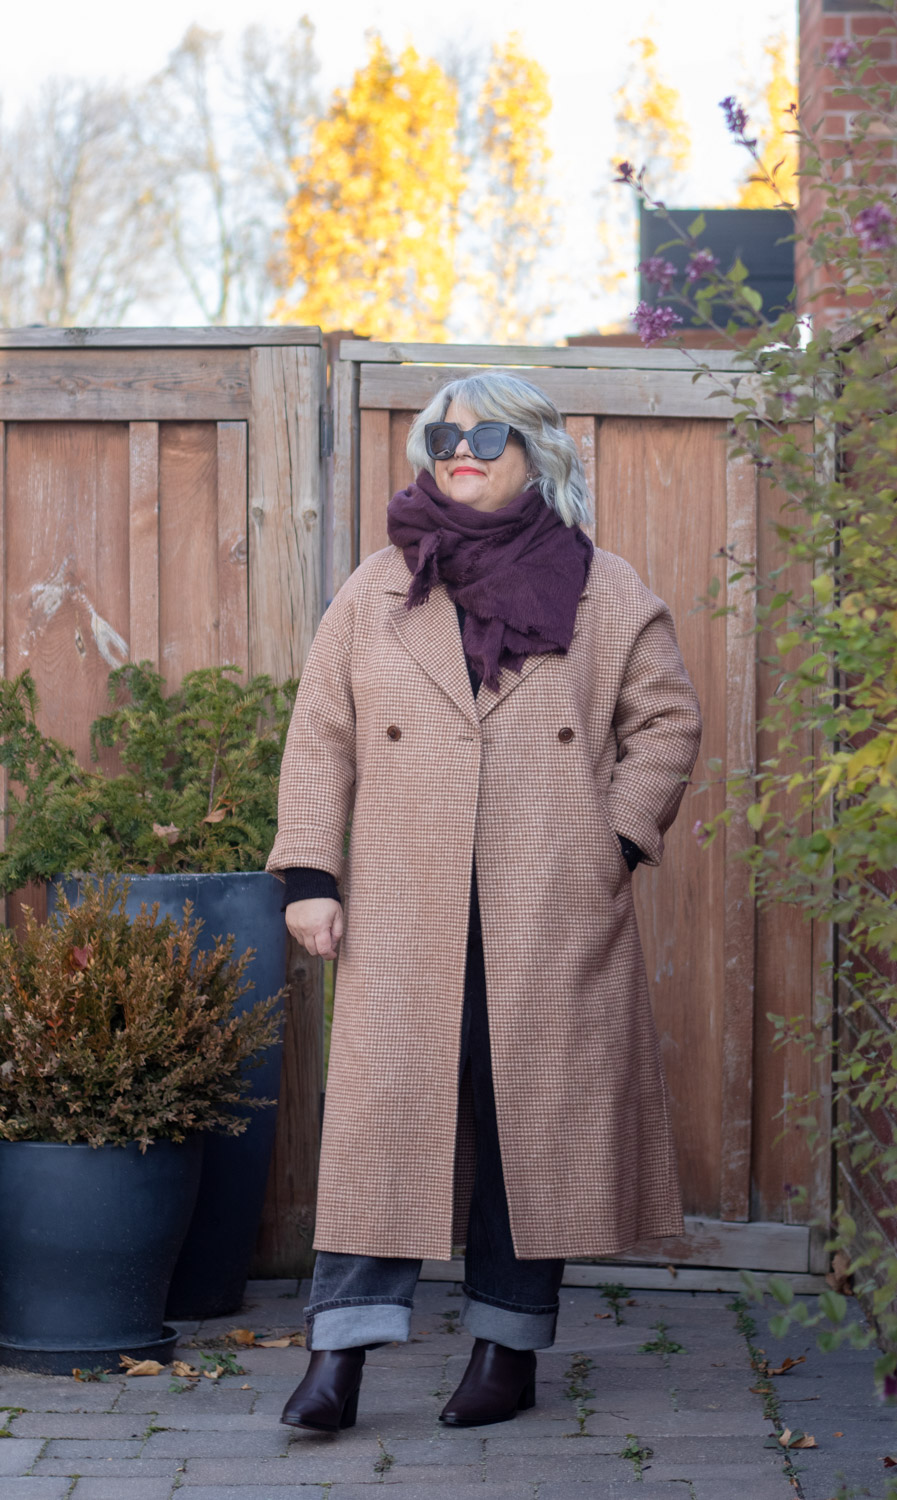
[
  {"x": 327, "y": 1396},
  {"x": 497, "y": 1384}
]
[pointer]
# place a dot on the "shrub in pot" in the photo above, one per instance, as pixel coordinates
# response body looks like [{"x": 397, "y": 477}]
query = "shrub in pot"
[
  {"x": 188, "y": 813},
  {"x": 119, "y": 1052}
]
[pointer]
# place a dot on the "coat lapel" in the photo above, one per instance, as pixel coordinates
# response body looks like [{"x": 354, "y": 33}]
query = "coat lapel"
[{"x": 429, "y": 632}]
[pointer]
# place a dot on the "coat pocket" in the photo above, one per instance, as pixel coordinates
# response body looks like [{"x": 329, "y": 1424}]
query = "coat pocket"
[{"x": 622, "y": 864}]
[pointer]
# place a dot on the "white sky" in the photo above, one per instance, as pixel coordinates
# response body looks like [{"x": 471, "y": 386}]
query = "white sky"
[{"x": 707, "y": 49}]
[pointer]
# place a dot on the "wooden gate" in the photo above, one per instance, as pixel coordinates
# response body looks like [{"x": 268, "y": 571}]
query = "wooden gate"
[
  {"x": 653, "y": 444},
  {"x": 161, "y": 499}
]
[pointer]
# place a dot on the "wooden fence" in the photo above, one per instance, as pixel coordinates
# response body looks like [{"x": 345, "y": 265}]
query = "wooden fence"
[
  {"x": 166, "y": 494},
  {"x": 161, "y": 497}
]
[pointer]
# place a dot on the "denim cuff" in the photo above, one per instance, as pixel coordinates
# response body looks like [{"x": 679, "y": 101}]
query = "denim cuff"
[
  {"x": 352, "y": 1325},
  {"x": 504, "y": 1325}
]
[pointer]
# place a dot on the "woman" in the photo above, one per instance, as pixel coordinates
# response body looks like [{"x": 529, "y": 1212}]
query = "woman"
[{"x": 504, "y": 710}]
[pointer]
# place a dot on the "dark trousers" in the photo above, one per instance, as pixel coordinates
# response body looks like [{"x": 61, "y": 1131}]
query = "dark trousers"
[{"x": 367, "y": 1299}]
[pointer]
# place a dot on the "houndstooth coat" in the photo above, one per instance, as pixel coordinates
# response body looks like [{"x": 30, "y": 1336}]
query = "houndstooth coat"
[{"x": 537, "y": 778}]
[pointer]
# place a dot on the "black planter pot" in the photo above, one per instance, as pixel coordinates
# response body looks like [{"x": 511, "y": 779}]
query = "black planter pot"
[
  {"x": 89, "y": 1237},
  {"x": 210, "y": 1275}
]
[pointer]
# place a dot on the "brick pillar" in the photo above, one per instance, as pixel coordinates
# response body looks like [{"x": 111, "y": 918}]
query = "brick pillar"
[{"x": 823, "y": 22}]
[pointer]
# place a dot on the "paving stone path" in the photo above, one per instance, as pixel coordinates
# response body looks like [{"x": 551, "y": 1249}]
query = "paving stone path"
[{"x": 676, "y": 1423}]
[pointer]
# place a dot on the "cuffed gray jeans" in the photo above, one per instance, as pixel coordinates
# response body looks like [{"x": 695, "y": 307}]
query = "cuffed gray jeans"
[{"x": 360, "y": 1300}]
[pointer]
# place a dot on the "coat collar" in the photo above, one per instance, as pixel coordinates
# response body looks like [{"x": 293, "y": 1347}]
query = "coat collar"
[{"x": 430, "y": 633}]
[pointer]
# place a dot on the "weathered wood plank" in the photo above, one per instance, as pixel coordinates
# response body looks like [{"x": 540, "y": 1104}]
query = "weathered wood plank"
[
  {"x": 582, "y": 357},
  {"x": 823, "y": 952},
  {"x": 781, "y": 1160},
  {"x": 591, "y": 392},
  {"x": 737, "y": 905},
  {"x": 584, "y": 432},
  {"x": 2, "y": 636},
  {"x": 285, "y": 552},
  {"x": 285, "y": 578},
  {"x": 283, "y": 1247},
  {"x": 759, "y": 1246},
  {"x": 662, "y": 507},
  {"x": 400, "y": 471},
  {"x": 124, "y": 385},
  {"x": 373, "y": 482},
  {"x": 67, "y": 578},
  {"x": 233, "y": 551},
  {"x": 343, "y": 520},
  {"x": 154, "y": 338},
  {"x": 143, "y": 542},
  {"x": 188, "y": 549}
]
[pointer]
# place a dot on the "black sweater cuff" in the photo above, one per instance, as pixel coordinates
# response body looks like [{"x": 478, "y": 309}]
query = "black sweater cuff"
[{"x": 304, "y": 883}]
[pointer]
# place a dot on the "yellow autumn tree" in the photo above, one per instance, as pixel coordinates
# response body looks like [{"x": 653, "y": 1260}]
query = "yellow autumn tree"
[
  {"x": 371, "y": 228},
  {"x": 651, "y": 132},
  {"x": 513, "y": 211},
  {"x": 776, "y": 147}
]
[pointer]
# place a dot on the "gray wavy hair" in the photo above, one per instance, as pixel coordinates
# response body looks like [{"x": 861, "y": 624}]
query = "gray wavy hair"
[{"x": 496, "y": 396}]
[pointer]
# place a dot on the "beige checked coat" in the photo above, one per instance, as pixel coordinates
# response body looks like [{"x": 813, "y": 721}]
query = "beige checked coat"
[{"x": 535, "y": 778}]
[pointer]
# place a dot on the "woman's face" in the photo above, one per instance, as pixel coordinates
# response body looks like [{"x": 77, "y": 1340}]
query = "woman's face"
[{"x": 481, "y": 483}]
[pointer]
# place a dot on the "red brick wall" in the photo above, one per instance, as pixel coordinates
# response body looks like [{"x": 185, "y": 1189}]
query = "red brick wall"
[{"x": 821, "y": 24}]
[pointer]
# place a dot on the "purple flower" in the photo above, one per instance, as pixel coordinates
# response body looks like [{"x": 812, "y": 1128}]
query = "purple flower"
[
  {"x": 625, "y": 171},
  {"x": 874, "y": 227},
  {"x": 701, "y": 263},
  {"x": 736, "y": 118},
  {"x": 788, "y": 398},
  {"x": 889, "y": 1387},
  {"x": 840, "y": 53},
  {"x": 654, "y": 323},
  {"x": 655, "y": 268},
  {"x": 700, "y": 832}
]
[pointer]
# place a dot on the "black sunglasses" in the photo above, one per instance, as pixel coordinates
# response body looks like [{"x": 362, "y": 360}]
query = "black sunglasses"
[{"x": 486, "y": 440}]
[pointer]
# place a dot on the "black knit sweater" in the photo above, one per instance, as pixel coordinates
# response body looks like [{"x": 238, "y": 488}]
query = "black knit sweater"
[{"x": 304, "y": 882}]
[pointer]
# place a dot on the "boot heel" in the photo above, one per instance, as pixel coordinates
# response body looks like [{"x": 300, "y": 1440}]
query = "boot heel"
[
  {"x": 350, "y": 1410},
  {"x": 528, "y": 1396}
]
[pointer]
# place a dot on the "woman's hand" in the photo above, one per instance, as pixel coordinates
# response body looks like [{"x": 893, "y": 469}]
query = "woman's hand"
[{"x": 316, "y": 924}]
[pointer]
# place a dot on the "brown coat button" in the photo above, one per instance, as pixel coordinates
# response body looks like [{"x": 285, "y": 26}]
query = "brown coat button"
[
  {"x": 564, "y": 735},
  {"x": 394, "y": 732}
]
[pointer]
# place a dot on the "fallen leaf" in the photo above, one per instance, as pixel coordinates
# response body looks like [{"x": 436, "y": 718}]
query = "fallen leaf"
[
  {"x": 837, "y": 1434},
  {"x": 672, "y": 1270},
  {"x": 241, "y": 1336},
  {"x": 183, "y": 1370},
  {"x": 604, "y": 1315},
  {"x": 760, "y": 1390},
  {"x": 167, "y": 831},
  {"x": 839, "y": 1276},
  {"x": 788, "y": 1364},
  {"x": 273, "y": 1343},
  {"x": 214, "y": 1374},
  {"x": 299, "y": 1339},
  {"x": 631, "y": 1302},
  {"x": 245, "y": 1387},
  {"x": 217, "y": 816},
  {"x": 789, "y": 1439},
  {"x": 889, "y": 1463},
  {"x": 141, "y": 1366}
]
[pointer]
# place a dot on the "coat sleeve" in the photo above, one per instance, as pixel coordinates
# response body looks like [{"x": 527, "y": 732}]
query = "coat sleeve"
[
  {"x": 658, "y": 725},
  {"x": 317, "y": 773}
]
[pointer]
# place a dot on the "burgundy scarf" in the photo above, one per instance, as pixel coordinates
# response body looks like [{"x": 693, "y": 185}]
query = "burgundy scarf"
[{"x": 518, "y": 572}]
